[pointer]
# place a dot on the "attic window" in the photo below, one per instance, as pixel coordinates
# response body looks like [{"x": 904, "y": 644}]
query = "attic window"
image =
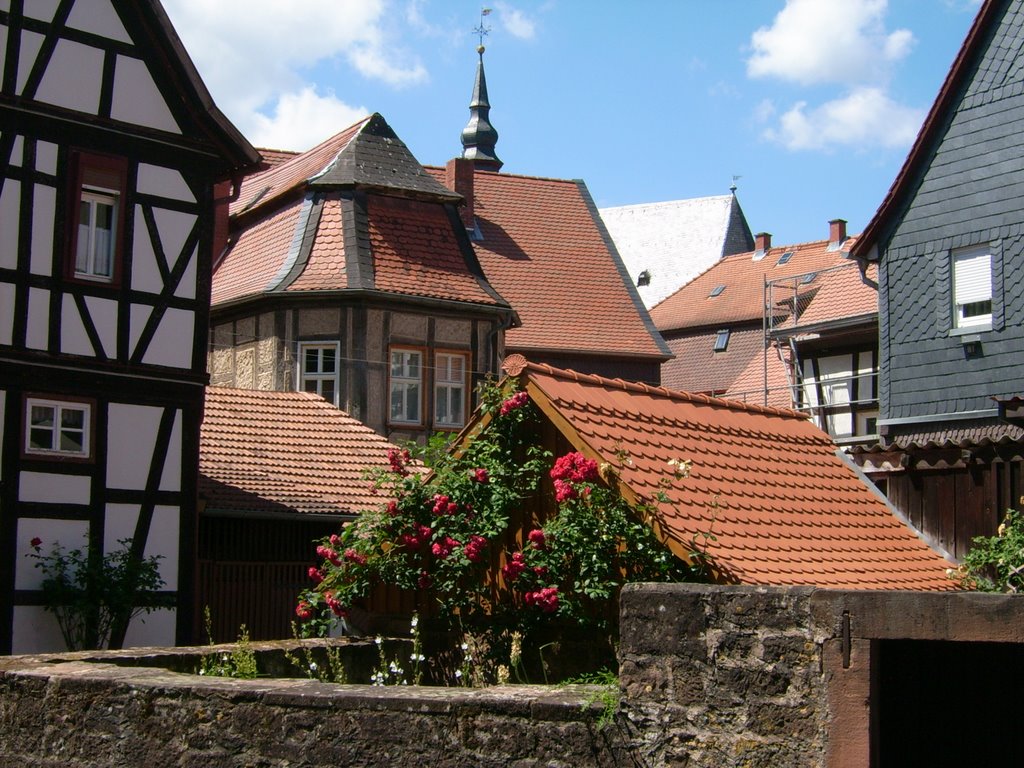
[
  {"x": 722, "y": 340},
  {"x": 644, "y": 278},
  {"x": 784, "y": 258},
  {"x": 716, "y": 291},
  {"x": 808, "y": 278}
]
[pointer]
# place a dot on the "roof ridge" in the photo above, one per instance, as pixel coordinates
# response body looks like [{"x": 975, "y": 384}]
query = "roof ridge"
[
  {"x": 514, "y": 365},
  {"x": 504, "y": 175},
  {"x": 660, "y": 203}
]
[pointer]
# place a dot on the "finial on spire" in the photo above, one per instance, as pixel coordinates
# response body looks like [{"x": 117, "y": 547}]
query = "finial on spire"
[
  {"x": 479, "y": 137},
  {"x": 735, "y": 178}
]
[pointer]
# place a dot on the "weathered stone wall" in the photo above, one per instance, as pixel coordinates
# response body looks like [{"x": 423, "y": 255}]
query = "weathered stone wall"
[{"x": 722, "y": 676}]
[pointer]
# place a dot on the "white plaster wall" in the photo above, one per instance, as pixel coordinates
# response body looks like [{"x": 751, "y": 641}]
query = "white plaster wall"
[
  {"x": 152, "y": 629},
  {"x": 139, "y": 317},
  {"x": 37, "y": 335},
  {"x": 98, "y": 17},
  {"x": 35, "y": 631},
  {"x": 70, "y": 534},
  {"x": 131, "y": 436},
  {"x": 73, "y": 78},
  {"x": 51, "y": 488},
  {"x": 4, "y": 5},
  {"x": 46, "y": 157},
  {"x": 163, "y": 182},
  {"x": 10, "y": 206},
  {"x": 187, "y": 287},
  {"x": 170, "y": 480},
  {"x": 31, "y": 42},
  {"x": 104, "y": 317},
  {"x": 43, "y": 10},
  {"x": 174, "y": 228},
  {"x": 172, "y": 342},
  {"x": 162, "y": 541},
  {"x": 137, "y": 99},
  {"x": 73, "y": 338},
  {"x": 43, "y": 211},
  {"x": 6, "y": 313},
  {"x": 145, "y": 273}
]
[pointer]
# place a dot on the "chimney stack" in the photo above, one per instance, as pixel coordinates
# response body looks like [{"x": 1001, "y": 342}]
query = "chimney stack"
[
  {"x": 836, "y": 234},
  {"x": 458, "y": 177},
  {"x": 762, "y": 244}
]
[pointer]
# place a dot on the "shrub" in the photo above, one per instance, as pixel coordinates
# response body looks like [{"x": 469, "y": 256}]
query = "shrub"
[{"x": 995, "y": 563}]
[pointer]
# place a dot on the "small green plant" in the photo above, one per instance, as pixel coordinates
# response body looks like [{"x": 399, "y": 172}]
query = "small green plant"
[
  {"x": 94, "y": 597},
  {"x": 331, "y": 670},
  {"x": 995, "y": 563},
  {"x": 608, "y": 695},
  {"x": 239, "y": 662}
]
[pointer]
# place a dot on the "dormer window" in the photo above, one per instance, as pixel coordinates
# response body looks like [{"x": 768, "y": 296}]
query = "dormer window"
[
  {"x": 644, "y": 278},
  {"x": 722, "y": 340},
  {"x": 96, "y": 202},
  {"x": 784, "y": 258},
  {"x": 716, "y": 291}
]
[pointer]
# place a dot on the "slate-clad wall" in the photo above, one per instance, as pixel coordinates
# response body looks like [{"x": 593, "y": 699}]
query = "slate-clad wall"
[{"x": 968, "y": 195}]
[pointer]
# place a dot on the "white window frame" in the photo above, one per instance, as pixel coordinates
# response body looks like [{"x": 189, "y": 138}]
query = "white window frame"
[
  {"x": 56, "y": 428},
  {"x": 722, "y": 340},
  {"x": 87, "y": 247},
  {"x": 449, "y": 387},
  {"x": 972, "y": 288},
  {"x": 405, "y": 377},
  {"x": 318, "y": 377}
]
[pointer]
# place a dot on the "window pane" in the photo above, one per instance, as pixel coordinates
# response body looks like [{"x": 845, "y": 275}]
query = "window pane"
[
  {"x": 71, "y": 441},
  {"x": 396, "y": 403},
  {"x": 456, "y": 403},
  {"x": 40, "y": 439},
  {"x": 43, "y": 415},
  {"x": 441, "y": 406},
  {"x": 84, "y": 228},
  {"x": 103, "y": 244},
  {"x": 412, "y": 402},
  {"x": 397, "y": 360},
  {"x": 328, "y": 361},
  {"x": 327, "y": 390},
  {"x": 72, "y": 418},
  {"x": 309, "y": 385},
  {"x": 311, "y": 360}
]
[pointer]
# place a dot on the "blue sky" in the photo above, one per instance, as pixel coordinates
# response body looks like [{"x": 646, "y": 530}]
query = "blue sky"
[{"x": 813, "y": 104}]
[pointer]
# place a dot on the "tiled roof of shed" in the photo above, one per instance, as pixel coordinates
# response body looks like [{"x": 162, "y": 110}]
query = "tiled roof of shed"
[
  {"x": 784, "y": 507},
  {"x": 674, "y": 241},
  {"x": 544, "y": 250},
  {"x": 743, "y": 278},
  {"x": 841, "y": 294},
  {"x": 285, "y": 452}
]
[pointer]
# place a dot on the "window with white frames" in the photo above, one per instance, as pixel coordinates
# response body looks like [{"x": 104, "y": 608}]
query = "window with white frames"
[
  {"x": 406, "y": 386},
  {"x": 97, "y": 204},
  {"x": 318, "y": 370},
  {"x": 449, "y": 389},
  {"x": 57, "y": 428},
  {"x": 972, "y": 288}
]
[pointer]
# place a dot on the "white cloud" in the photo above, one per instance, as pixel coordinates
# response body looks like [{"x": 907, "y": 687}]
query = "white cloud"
[
  {"x": 867, "y": 117},
  {"x": 251, "y": 53},
  {"x": 820, "y": 41},
  {"x": 302, "y": 120},
  {"x": 515, "y": 22}
]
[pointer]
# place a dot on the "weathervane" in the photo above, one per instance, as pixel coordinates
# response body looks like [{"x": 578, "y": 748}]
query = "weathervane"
[
  {"x": 482, "y": 31},
  {"x": 735, "y": 178}
]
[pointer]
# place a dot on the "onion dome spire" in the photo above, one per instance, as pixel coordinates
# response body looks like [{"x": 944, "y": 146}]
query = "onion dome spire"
[{"x": 479, "y": 137}]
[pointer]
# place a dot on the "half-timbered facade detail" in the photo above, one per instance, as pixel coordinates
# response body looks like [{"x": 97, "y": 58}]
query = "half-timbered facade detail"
[{"x": 111, "y": 151}]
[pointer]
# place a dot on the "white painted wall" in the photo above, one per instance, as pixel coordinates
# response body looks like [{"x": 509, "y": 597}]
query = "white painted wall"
[
  {"x": 172, "y": 342},
  {"x": 6, "y": 313},
  {"x": 37, "y": 335},
  {"x": 10, "y": 208},
  {"x": 70, "y": 534},
  {"x": 51, "y": 488},
  {"x": 131, "y": 437},
  {"x": 73, "y": 77},
  {"x": 137, "y": 99}
]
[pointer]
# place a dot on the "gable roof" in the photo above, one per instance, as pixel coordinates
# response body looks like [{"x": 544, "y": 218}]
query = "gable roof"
[
  {"x": 674, "y": 241},
  {"x": 784, "y": 508},
  {"x": 544, "y": 248},
  {"x": 866, "y": 249},
  {"x": 272, "y": 453},
  {"x": 741, "y": 279}
]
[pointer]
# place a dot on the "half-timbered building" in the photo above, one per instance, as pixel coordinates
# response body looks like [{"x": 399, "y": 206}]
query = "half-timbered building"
[{"x": 115, "y": 163}]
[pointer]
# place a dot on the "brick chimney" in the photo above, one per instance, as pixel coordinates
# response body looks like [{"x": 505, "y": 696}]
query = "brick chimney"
[
  {"x": 762, "y": 244},
  {"x": 836, "y": 234},
  {"x": 458, "y": 177}
]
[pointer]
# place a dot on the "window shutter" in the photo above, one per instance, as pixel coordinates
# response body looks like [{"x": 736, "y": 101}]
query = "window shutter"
[{"x": 972, "y": 277}]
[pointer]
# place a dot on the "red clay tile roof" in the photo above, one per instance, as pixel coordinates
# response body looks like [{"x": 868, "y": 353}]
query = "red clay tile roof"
[
  {"x": 274, "y": 157},
  {"x": 254, "y": 262},
  {"x": 698, "y": 368},
  {"x": 743, "y": 278},
  {"x": 415, "y": 252},
  {"x": 784, "y": 507},
  {"x": 326, "y": 268},
  {"x": 841, "y": 294},
  {"x": 545, "y": 250},
  {"x": 750, "y": 385},
  {"x": 285, "y": 452}
]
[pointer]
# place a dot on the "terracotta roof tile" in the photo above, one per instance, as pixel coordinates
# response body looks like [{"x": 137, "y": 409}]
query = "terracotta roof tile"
[
  {"x": 743, "y": 279},
  {"x": 285, "y": 452},
  {"x": 274, "y": 157},
  {"x": 256, "y": 257},
  {"x": 544, "y": 251},
  {"x": 415, "y": 252},
  {"x": 841, "y": 294},
  {"x": 784, "y": 507},
  {"x": 325, "y": 269}
]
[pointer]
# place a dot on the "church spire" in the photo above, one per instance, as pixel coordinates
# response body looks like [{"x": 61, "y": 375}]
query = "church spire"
[{"x": 479, "y": 137}]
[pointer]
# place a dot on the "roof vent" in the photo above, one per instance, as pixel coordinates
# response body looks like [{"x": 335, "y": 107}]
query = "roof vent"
[
  {"x": 716, "y": 291},
  {"x": 644, "y": 278}
]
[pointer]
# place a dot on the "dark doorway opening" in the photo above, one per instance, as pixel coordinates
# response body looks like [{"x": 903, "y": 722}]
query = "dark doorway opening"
[{"x": 939, "y": 703}]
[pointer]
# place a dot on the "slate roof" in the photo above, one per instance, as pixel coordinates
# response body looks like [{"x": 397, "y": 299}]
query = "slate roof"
[
  {"x": 285, "y": 453},
  {"x": 784, "y": 507},
  {"x": 675, "y": 241},
  {"x": 355, "y": 213},
  {"x": 544, "y": 248},
  {"x": 743, "y": 279}
]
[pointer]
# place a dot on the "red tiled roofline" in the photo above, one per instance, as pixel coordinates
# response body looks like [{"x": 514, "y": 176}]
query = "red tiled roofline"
[
  {"x": 516, "y": 365},
  {"x": 931, "y": 126}
]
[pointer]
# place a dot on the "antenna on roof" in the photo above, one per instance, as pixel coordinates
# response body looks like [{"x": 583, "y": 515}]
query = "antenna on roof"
[
  {"x": 482, "y": 31},
  {"x": 735, "y": 178}
]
